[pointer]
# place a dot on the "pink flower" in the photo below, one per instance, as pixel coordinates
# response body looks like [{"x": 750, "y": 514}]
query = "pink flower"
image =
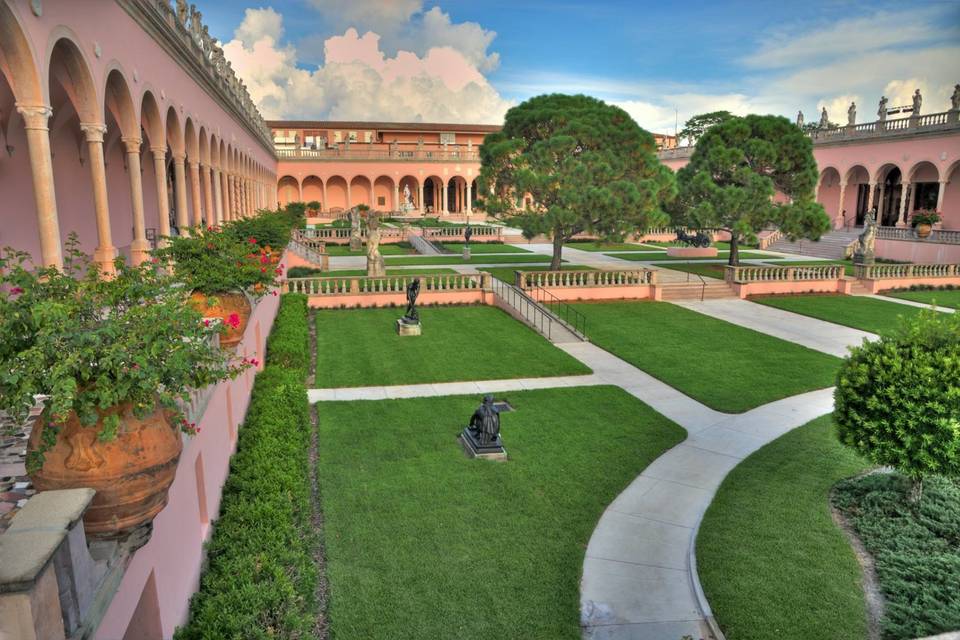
[
  {"x": 206, "y": 322},
  {"x": 264, "y": 259},
  {"x": 252, "y": 240},
  {"x": 263, "y": 269},
  {"x": 278, "y": 271},
  {"x": 234, "y": 320},
  {"x": 16, "y": 291},
  {"x": 273, "y": 292},
  {"x": 155, "y": 260}
]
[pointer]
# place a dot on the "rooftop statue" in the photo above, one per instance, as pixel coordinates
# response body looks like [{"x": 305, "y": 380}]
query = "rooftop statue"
[
  {"x": 852, "y": 114},
  {"x": 955, "y": 98},
  {"x": 824, "y": 119},
  {"x": 882, "y": 111},
  {"x": 800, "y": 119},
  {"x": 917, "y": 102}
]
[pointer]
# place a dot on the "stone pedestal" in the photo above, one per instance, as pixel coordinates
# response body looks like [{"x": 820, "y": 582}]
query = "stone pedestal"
[
  {"x": 474, "y": 449},
  {"x": 355, "y": 243},
  {"x": 466, "y": 253},
  {"x": 408, "y": 329}
]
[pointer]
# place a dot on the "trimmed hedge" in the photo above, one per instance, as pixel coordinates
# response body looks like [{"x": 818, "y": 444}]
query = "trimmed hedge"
[
  {"x": 261, "y": 579},
  {"x": 289, "y": 343}
]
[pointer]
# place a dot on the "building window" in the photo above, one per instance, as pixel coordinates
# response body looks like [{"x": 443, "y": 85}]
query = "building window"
[
  {"x": 353, "y": 136},
  {"x": 337, "y": 137},
  {"x": 381, "y": 201},
  {"x": 448, "y": 138},
  {"x": 368, "y": 136}
]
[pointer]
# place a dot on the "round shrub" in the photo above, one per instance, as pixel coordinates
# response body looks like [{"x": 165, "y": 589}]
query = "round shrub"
[{"x": 897, "y": 400}]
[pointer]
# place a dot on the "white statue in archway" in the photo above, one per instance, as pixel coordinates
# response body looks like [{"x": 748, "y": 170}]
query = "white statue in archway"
[{"x": 407, "y": 199}]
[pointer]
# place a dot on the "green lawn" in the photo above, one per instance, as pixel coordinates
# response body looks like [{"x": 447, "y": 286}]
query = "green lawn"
[
  {"x": 724, "y": 366},
  {"x": 484, "y": 247},
  {"x": 423, "y": 543},
  {"x": 711, "y": 270},
  {"x": 397, "y": 249},
  {"x": 605, "y": 246},
  {"x": 507, "y": 273},
  {"x": 773, "y": 564},
  {"x": 866, "y": 314},
  {"x": 942, "y": 298},
  {"x": 495, "y": 258},
  {"x": 360, "y": 347},
  {"x": 658, "y": 257}
]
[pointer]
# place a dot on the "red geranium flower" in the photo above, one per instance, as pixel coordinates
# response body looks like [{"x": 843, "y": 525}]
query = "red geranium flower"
[{"x": 234, "y": 320}]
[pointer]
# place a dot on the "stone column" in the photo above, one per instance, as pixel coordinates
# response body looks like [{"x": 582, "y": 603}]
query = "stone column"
[
  {"x": 940, "y": 192},
  {"x": 396, "y": 196},
  {"x": 469, "y": 198},
  {"x": 300, "y": 190},
  {"x": 206, "y": 174},
  {"x": 251, "y": 205},
  {"x": 195, "y": 194},
  {"x": 873, "y": 187},
  {"x": 180, "y": 193},
  {"x": 35, "y": 119},
  {"x": 217, "y": 195},
  {"x": 105, "y": 252},
  {"x": 348, "y": 195},
  {"x": 420, "y": 197},
  {"x": 324, "y": 206},
  {"x": 139, "y": 247},
  {"x": 904, "y": 216},
  {"x": 160, "y": 175},
  {"x": 227, "y": 196},
  {"x": 443, "y": 193},
  {"x": 840, "y": 208}
]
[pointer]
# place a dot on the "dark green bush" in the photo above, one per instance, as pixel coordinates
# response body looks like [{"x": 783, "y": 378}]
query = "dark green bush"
[
  {"x": 268, "y": 228},
  {"x": 261, "y": 578},
  {"x": 304, "y": 272},
  {"x": 898, "y": 398},
  {"x": 289, "y": 343},
  {"x": 915, "y": 548}
]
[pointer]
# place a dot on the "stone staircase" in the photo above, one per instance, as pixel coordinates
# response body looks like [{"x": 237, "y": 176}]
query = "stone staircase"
[
  {"x": 423, "y": 246},
  {"x": 858, "y": 288},
  {"x": 830, "y": 246},
  {"x": 708, "y": 290}
]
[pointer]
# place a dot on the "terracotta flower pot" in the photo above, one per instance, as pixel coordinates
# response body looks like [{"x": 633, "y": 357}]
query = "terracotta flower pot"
[
  {"x": 923, "y": 230},
  {"x": 233, "y": 309},
  {"x": 131, "y": 473}
]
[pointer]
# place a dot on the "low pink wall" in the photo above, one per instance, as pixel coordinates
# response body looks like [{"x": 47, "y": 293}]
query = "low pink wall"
[
  {"x": 174, "y": 554},
  {"x": 805, "y": 286},
  {"x": 902, "y": 283},
  {"x": 692, "y": 252},
  {"x": 630, "y": 292},
  {"x": 399, "y": 299},
  {"x": 918, "y": 252}
]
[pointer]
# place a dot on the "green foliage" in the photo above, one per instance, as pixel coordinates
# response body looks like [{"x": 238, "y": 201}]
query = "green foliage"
[
  {"x": 924, "y": 216},
  {"x": 772, "y": 562},
  {"x": 305, "y": 272},
  {"x": 269, "y": 229},
  {"x": 214, "y": 261},
  {"x": 736, "y": 169},
  {"x": 295, "y": 211},
  {"x": 92, "y": 342},
  {"x": 586, "y": 164},
  {"x": 289, "y": 342},
  {"x": 313, "y": 205},
  {"x": 898, "y": 398},
  {"x": 697, "y": 125},
  {"x": 915, "y": 549},
  {"x": 261, "y": 577}
]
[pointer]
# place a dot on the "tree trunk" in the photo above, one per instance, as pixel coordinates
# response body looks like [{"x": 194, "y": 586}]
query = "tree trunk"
[
  {"x": 916, "y": 491},
  {"x": 734, "y": 251},
  {"x": 557, "y": 251}
]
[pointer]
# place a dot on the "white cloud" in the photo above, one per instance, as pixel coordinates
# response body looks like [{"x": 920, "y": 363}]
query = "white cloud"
[
  {"x": 378, "y": 15},
  {"x": 359, "y": 80}
]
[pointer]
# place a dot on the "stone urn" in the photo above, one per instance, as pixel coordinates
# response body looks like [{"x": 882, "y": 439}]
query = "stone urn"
[
  {"x": 923, "y": 230},
  {"x": 233, "y": 310},
  {"x": 130, "y": 473}
]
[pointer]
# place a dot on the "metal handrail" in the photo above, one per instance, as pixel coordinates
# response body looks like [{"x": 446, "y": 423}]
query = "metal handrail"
[
  {"x": 575, "y": 321},
  {"x": 519, "y": 300}
]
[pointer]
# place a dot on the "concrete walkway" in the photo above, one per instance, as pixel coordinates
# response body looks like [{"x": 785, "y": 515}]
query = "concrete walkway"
[
  {"x": 793, "y": 327},
  {"x": 909, "y": 303}
]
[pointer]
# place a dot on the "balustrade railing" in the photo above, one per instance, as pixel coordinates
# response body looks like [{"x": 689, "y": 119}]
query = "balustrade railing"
[
  {"x": 883, "y": 271},
  {"x": 937, "y": 236},
  {"x": 769, "y": 239},
  {"x": 343, "y": 233},
  {"x": 571, "y": 279},
  {"x": 479, "y": 231},
  {"x": 744, "y": 275},
  {"x": 345, "y": 285},
  {"x": 354, "y": 153}
]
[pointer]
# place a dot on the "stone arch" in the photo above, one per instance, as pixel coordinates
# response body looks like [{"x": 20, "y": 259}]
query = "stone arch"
[
  {"x": 361, "y": 191},
  {"x": 923, "y": 181},
  {"x": 888, "y": 193},
  {"x": 154, "y": 133},
  {"x": 432, "y": 194},
  {"x": 857, "y": 197},
  {"x": 312, "y": 187},
  {"x": 288, "y": 190},
  {"x": 174, "y": 133},
  {"x": 383, "y": 194},
  {"x": 203, "y": 145},
  {"x": 412, "y": 187},
  {"x": 17, "y": 61},
  {"x": 950, "y": 203},
  {"x": 73, "y": 98},
  {"x": 457, "y": 194},
  {"x": 828, "y": 195},
  {"x": 123, "y": 128},
  {"x": 337, "y": 194}
]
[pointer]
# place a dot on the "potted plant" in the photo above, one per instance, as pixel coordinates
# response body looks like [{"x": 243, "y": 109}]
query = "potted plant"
[
  {"x": 313, "y": 208},
  {"x": 223, "y": 273},
  {"x": 113, "y": 356},
  {"x": 923, "y": 220}
]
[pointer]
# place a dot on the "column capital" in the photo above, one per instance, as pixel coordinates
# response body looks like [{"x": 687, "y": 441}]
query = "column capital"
[
  {"x": 159, "y": 151},
  {"x": 132, "y": 144},
  {"x": 35, "y": 116},
  {"x": 194, "y": 164},
  {"x": 93, "y": 131},
  {"x": 179, "y": 158}
]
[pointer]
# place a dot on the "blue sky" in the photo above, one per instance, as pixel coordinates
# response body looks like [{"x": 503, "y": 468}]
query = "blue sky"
[{"x": 651, "y": 58}]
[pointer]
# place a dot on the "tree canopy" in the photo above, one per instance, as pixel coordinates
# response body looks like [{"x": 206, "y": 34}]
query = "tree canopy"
[
  {"x": 587, "y": 166},
  {"x": 697, "y": 125},
  {"x": 735, "y": 172}
]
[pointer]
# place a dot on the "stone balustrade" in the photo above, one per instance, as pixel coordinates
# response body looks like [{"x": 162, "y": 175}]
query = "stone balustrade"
[
  {"x": 339, "y": 235},
  {"x": 578, "y": 279},
  {"x": 446, "y": 233},
  {"x": 900, "y": 271},
  {"x": 363, "y": 152},
  {"x": 746, "y": 275},
  {"x": 770, "y": 238},
  {"x": 937, "y": 236},
  {"x": 366, "y": 285}
]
